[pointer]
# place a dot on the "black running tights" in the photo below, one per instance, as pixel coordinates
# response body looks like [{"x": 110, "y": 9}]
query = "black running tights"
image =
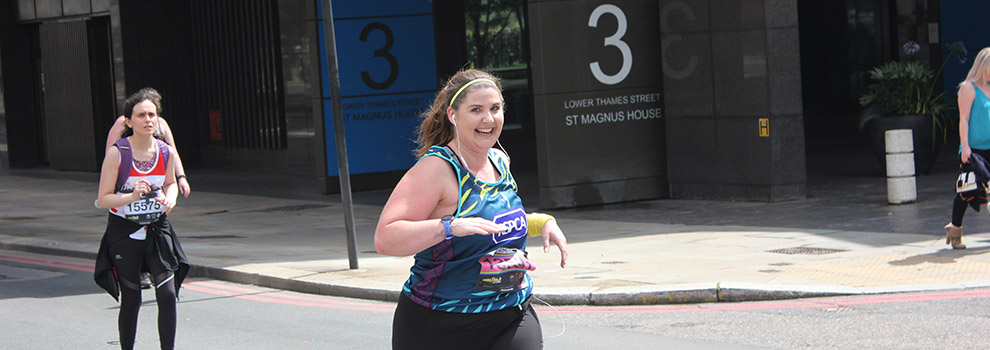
[
  {"x": 129, "y": 257},
  {"x": 958, "y": 210}
]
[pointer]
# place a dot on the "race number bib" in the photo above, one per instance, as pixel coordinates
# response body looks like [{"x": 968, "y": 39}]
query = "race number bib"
[
  {"x": 145, "y": 210},
  {"x": 503, "y": 270}
]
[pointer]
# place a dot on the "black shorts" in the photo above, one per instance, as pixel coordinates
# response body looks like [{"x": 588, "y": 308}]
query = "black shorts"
[
  {"x": 131, "y": 257},
  {"x": 418, "y": 327}
]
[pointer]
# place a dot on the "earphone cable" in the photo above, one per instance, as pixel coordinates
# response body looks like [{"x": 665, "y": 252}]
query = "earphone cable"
[{"x": 563, "y": 326}]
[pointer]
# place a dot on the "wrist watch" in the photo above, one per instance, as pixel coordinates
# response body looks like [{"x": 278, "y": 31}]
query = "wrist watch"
[{"x": 446, "y": 220}]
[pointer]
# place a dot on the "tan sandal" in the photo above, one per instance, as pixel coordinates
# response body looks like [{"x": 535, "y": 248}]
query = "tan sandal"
[{"x": 953, "y": 236}]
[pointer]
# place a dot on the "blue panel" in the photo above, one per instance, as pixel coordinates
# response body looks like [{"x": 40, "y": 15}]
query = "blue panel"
[
  {"x": 381, "y": 132},
  {"x": 962, "y": 21},
  {"x": 412, "y": 48},
  {"x": 408, "y": 64},
  {"x": 375, "y": 8},
  {"x": 380, "y": 8},
  {"x": 386, "y": 80}
]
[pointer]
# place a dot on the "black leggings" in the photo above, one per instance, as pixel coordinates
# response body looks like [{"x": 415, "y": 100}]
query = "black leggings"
[
  {"x": 958, "y": 210},
  {"x": 959, "y": 204},
  {"x": 418, "y": 327},
  {"x": 130, "y": 257}
]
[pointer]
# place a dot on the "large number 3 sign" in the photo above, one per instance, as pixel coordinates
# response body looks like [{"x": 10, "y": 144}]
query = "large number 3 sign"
[
  {"x": 383, "y": 52},
  {"x": 614, "y": 40}
]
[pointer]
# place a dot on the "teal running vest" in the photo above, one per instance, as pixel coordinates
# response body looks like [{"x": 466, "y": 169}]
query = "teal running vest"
[
  {"x": 979, "y": 121},
  {"x": 444, "y": 277}
]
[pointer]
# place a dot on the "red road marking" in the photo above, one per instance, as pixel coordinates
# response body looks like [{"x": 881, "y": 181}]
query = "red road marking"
[{"x": 86, "y": 267}]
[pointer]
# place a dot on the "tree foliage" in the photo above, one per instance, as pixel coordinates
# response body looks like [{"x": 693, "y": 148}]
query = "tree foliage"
[{"x": 495, "y": 33}]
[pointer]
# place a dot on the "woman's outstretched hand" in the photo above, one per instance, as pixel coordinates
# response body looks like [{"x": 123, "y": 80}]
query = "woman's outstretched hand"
[
  {"x": 461, "y": 227},
  {"x": 553, "y": 233}
]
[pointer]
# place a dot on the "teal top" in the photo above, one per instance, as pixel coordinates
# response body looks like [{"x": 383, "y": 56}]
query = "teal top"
[
  {"x": 445, "y": 276},
  {"x": 979, "y": 121}
]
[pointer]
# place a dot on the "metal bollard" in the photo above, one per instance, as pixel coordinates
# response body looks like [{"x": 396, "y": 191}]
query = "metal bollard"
[{"x": 901, "y": 185}]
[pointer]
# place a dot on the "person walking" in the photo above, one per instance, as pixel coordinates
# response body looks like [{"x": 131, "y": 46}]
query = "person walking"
[
  {"x": 137, "y": 184},
  {"x": 458, "y": 212},
  {"x": 974, "y": 139}
]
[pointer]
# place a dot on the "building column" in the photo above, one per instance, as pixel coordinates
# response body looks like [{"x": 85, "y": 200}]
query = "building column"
[
  {"x": 598, "y": 101},
  {"x": 731, "y": 73}
]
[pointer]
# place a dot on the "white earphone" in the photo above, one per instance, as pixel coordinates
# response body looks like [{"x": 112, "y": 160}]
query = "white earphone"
[{"x": 453, "y": 119}]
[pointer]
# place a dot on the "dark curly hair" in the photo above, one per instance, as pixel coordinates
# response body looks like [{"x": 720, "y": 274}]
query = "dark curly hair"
[{"x": 149, "y": 94}]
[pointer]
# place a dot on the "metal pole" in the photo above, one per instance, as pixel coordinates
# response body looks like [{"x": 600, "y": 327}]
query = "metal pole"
[{"x": 338, "y": 128}]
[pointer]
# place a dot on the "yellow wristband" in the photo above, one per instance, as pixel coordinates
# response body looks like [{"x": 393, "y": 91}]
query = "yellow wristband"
[{"x": 535, "y": 222}]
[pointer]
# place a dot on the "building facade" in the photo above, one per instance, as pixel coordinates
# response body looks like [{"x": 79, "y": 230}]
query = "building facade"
[{"x": 607, "y": 101}]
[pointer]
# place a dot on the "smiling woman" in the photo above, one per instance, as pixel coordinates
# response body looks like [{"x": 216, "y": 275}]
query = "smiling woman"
[{"x": 457, "y": 210}]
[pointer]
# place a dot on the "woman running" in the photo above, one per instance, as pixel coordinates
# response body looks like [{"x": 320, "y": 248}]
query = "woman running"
[{"x": 457, "y": 210}]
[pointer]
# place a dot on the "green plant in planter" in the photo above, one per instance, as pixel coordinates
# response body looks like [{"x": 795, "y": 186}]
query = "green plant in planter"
[
  {"x": 905, "y": 88},
  {"x": 908, "y": 88}
]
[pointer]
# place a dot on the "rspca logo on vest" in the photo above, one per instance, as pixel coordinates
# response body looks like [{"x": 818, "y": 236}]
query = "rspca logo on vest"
[{"x": 514, "y": 221}]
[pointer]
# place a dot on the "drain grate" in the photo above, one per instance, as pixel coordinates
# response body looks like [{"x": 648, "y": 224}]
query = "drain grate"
[{"x": 806, "y": 251}]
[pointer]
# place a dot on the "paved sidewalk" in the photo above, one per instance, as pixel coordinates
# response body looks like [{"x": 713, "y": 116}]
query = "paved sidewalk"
[{"x": 843, "y": 239}]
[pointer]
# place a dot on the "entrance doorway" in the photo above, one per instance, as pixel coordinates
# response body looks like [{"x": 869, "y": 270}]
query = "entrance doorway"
[
  {"x": 840, "y": 42},
  {"x": 76, "y": 91}
]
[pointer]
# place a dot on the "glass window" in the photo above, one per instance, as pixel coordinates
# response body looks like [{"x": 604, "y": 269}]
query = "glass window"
[
  {"x": 864, "y": 19},
  {"x": 297, "y": 30},
  {"x": 911, "y": 26},
  {"x": 496, "y": 36}
]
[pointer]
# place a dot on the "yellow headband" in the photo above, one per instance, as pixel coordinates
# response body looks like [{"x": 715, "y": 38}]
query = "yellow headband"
[{"x": 469, "y": 84}]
